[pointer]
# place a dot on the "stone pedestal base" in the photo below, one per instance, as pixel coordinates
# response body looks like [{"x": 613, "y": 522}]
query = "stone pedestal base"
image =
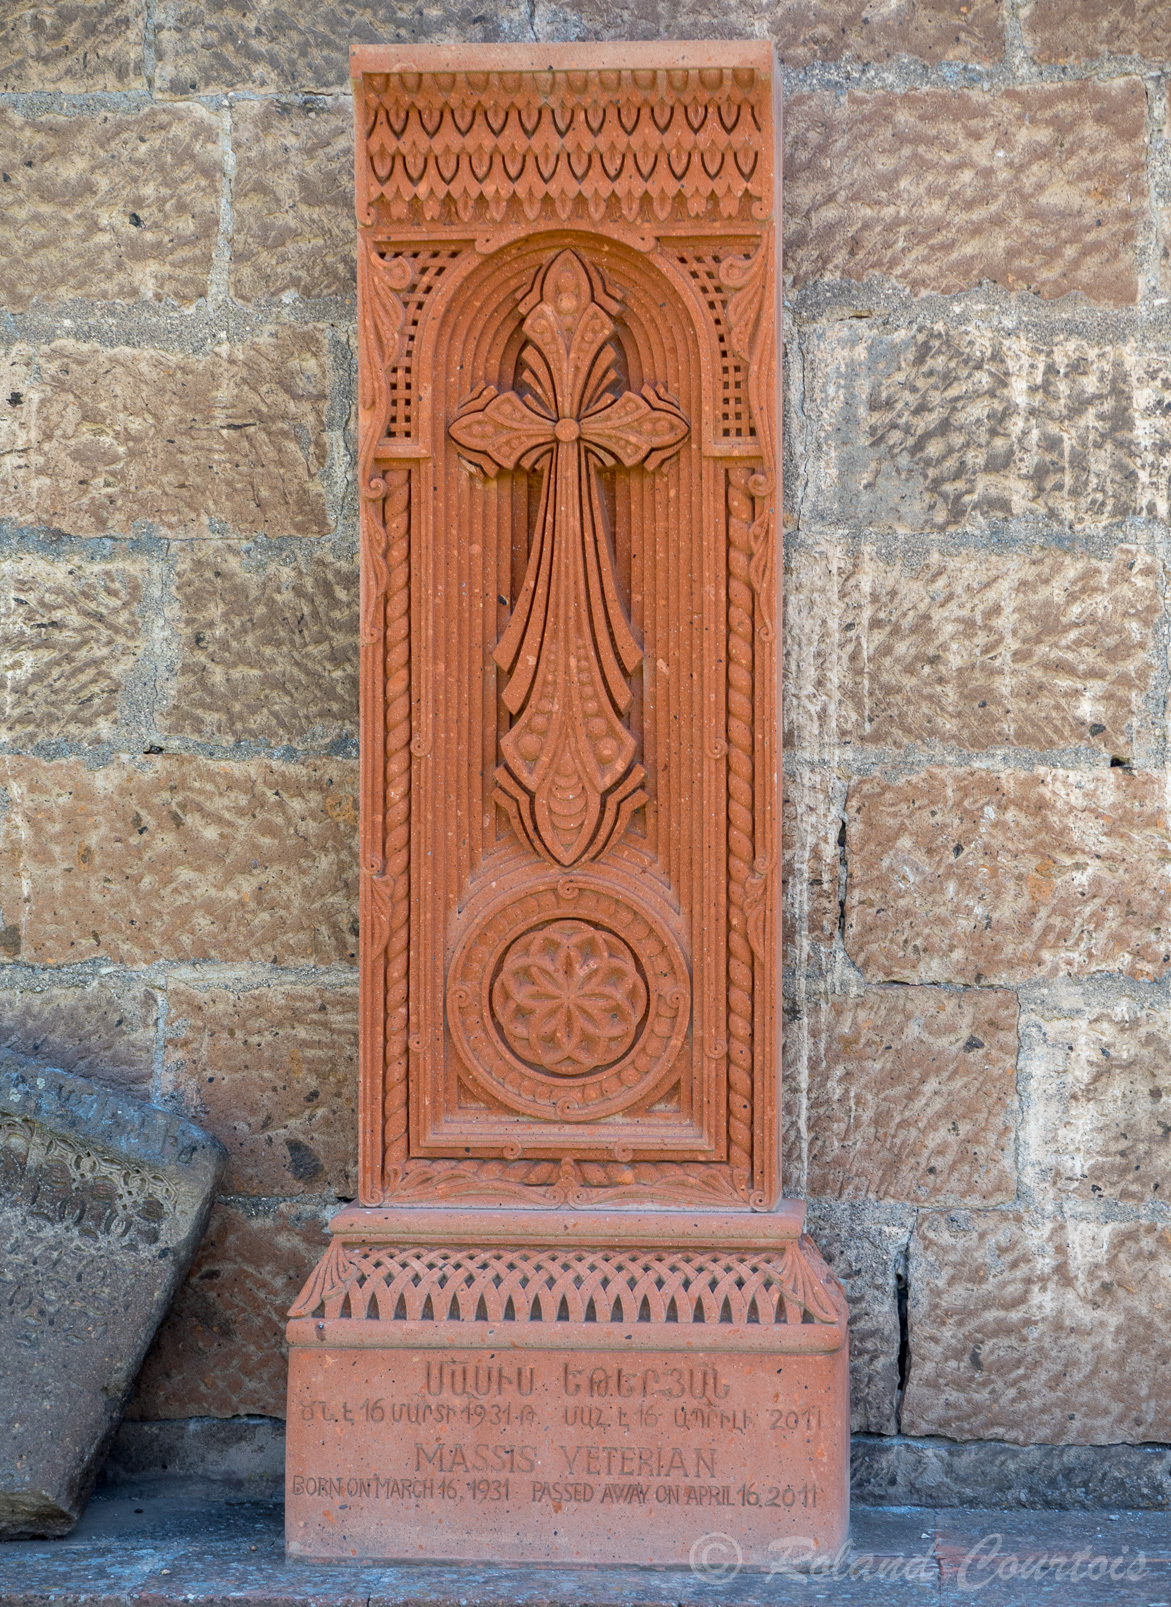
[{"x": 531, "y": 1387}]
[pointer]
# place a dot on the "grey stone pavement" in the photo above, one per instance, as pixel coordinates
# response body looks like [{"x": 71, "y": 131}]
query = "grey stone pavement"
[{"x": 183, "y": 1543}]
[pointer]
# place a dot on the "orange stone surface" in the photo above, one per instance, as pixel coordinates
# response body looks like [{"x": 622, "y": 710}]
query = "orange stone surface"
[
  {"x": 569, "y": 1061},
  {"x": 553, "y": 1456},
  {"x": 558, "y": 1403}
]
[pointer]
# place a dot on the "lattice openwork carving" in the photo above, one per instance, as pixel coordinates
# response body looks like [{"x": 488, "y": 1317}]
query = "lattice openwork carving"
[
  {"x": 735, "y": 414},
  {"x": 581, "y": 1286},
  {"x": 425, "y": 270}
]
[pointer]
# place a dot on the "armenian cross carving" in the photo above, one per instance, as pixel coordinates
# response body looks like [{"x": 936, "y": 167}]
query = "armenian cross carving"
[
  {"x": 568, "y": 460},
  {"x": 568, "y": 783}
]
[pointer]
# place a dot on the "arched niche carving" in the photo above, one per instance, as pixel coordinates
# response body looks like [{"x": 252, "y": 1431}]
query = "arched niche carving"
[{"x": 645, "y": 888}]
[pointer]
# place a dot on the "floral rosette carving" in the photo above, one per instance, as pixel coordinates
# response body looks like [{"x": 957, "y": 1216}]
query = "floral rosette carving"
[
  {"x": 551, "y": 1013},
  {"x": 569, "y": 998}
]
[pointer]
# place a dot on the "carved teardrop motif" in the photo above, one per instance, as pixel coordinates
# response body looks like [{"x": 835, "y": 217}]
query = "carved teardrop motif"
[{"x": 569, "y": 782}]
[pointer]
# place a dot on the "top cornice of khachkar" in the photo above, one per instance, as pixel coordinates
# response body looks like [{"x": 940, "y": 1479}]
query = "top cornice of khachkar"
[{"x": 530, "y": 138}]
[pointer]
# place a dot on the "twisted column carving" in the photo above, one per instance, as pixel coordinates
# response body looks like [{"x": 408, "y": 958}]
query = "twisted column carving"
[
  {"x": 741, "y": 823},
  {"x": 398, "y": 816}
]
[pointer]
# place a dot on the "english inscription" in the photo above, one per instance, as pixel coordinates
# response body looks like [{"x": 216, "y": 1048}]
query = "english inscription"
[{"x": 558, "y": 1436}]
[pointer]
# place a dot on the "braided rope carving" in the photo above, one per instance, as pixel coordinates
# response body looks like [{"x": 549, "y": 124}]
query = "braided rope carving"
[
  {"x": 741, "y": 824},
  {"x": 751, "y": 319},
  {"x": 398, "y": 816},
  {"x": 380, "y": 336}
]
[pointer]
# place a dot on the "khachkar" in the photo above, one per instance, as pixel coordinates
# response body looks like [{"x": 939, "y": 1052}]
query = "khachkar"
[{"x": 571, "y": 1318}]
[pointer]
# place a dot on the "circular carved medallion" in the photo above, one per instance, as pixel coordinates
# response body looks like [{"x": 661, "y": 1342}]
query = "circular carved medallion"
[{"x": 569, "y": 998}]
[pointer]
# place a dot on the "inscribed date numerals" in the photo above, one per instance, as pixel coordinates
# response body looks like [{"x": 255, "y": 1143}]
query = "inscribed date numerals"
[
  {"x": 476, "y": 1414},
  {"x": 790, "y": 1422},
  {"x": 776, "y": 1495},
  {"x": 487, "y": 1489}
]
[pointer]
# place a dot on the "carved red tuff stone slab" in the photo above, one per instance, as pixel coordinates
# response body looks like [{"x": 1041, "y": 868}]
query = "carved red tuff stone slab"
[
  {"x": 568, "y": 473},
  {"x": 599, "y": 1389},
  {"x": 568, "y": 468}
]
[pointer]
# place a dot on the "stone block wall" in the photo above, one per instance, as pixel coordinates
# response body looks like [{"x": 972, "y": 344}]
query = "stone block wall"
[{"x": 978, "y": 489}]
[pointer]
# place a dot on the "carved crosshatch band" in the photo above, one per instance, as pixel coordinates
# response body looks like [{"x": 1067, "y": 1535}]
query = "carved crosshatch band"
[
  {"x": 568, "y": 467},
  {"x": 419, "y": 1284}
]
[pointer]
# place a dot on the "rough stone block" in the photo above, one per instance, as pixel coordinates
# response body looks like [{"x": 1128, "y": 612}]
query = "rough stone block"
[
  {"x": 939, "y": 189},
  {"x": 73, "y": 46},
  {"x": 72, "y": 632},
  {"x": 1085, "y": 30},
  {"x": 827, "y": 30},
  {"x": 107, "y": 205},
  {"x": 971, "y": 876},
  {"x": 992, "y": 1476},
  {"x": 810, "y": 823},
  {"x": 975, "y": 649},
  {"x": 292, "y": 197},
  {"x": 273, "y": 1072},
  {"x": 1098, "y": 1123},
  {"x": 221, "y": 1350},
  {"x": 805, "y": 30},
  {"x": 212, "y": 46},
  {"x": 102, "y": 1203},
  {"x": 1027, "y": 1329},
  {"x": 17, "y": 370},
  {"x": 106, "y": 437},
  {"x": 241, "y": 1455},
  {"x": 933, "y": 427},
  {"x": 102, "y": 1028},
  {"x": 910, "y": 1095},
  {"x": 869, "y": 1258},
  {"x": 180, "y": 858},
  {"x": 205, "y": 48},
  {"x": 932, "y": 30},
  {"x": 268, "y": 649}
]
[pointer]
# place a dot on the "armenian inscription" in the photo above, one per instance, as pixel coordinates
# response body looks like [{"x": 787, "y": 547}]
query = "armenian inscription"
[{"x": 580, "y": 1455}]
